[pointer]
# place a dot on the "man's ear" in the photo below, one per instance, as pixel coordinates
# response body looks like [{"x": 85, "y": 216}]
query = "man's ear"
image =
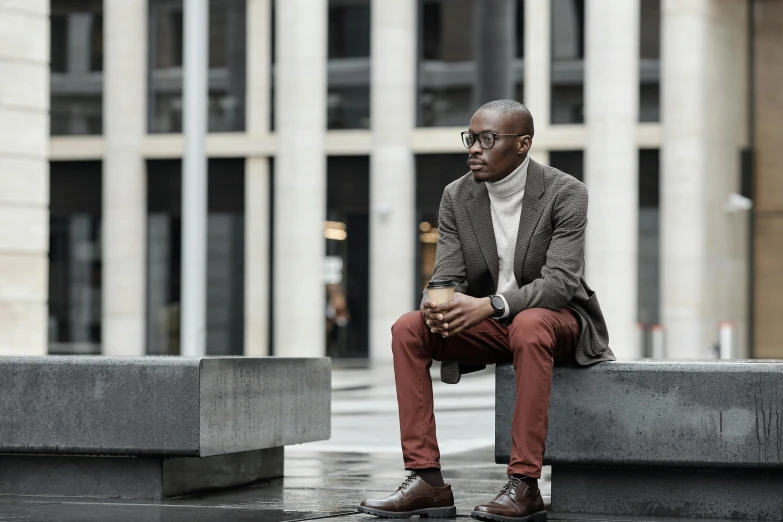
[{"x": 523, "y": 145}]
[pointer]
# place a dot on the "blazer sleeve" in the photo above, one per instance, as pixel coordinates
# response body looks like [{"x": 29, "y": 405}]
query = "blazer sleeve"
[
  {"x": 449, "y": 262},
  {"x": 565, "y": 257}
]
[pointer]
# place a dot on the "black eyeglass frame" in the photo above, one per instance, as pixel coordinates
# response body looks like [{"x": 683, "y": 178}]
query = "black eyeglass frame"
[{"x": 469, "y": 138}]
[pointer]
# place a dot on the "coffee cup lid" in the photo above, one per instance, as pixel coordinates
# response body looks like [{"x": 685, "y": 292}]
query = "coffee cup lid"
[{"x": 440, "y": 284}]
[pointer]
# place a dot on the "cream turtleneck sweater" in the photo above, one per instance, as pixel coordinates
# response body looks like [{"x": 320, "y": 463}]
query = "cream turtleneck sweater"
[{"x": 505, "y": 197}]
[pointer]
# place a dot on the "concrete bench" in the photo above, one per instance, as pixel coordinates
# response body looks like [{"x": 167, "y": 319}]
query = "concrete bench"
[
  {"x": 154, "y": 427},
  {"x": 681, "y": 439}
]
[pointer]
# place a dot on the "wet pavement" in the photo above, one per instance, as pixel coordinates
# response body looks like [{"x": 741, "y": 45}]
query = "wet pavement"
[
  {"x": 328, "y": 479},
  {"x": 316, "y": 485}
]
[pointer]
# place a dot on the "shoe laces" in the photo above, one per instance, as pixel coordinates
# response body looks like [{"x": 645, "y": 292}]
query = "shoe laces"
[
  {"x": 512, "y": 484},
  {"x": 407, "y": 482}
]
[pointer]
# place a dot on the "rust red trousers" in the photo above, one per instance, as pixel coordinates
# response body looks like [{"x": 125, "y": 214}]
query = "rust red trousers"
[{"x": 535, "y": 341}]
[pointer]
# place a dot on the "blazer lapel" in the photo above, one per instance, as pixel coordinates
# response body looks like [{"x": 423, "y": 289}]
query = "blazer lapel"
[
  {"x": 532, "y": 208},
  {"x": 481, "y": 219}
]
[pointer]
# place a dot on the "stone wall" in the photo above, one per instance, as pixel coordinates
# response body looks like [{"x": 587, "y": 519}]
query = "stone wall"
[{"x": 24, "y": 176}]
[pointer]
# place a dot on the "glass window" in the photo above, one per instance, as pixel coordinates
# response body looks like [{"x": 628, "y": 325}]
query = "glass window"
[
  {"x": 225, "y": 256},
  {"x": 446, "y": 66},
  {"x": 347, "y": 265},
  {"x": 568, "y": 63},
  {"x": 447, "y": 93},
  {"x": 519, "y": 63},
  {"x": 649, "y": 241},
  {"x": 272, "y": 59},
  {"x": 75, "y": 258},
  {"x": 271, "y": 259},
  {"x": 650, "y": 61},
  {"x": 226, "y": 75},
  {"x": 569, "y": 161},
  {"x": 348, "y": 68},
  {"x": 433, "y": 173},
  {"x": 76, "y": 67}
]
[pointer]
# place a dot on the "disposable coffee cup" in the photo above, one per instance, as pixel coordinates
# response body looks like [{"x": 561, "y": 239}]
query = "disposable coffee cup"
[{"x": 440, "y": 291}]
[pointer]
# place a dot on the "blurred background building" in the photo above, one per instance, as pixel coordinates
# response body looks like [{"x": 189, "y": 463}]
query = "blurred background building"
[{"x": 333, "y": 129}]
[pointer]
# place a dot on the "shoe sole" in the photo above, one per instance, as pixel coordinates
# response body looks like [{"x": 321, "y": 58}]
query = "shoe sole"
[
  {"x": 535, "y": 517},
  {"x": 443, "y": 512}
]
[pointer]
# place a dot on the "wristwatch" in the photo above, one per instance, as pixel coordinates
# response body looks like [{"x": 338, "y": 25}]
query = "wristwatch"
[{"x": 498, "y": 305}]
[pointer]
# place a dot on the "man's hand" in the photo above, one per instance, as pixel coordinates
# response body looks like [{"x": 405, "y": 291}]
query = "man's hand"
[
  {"x": 458, "y": 315},
  {"x": 432, "y": 315}
]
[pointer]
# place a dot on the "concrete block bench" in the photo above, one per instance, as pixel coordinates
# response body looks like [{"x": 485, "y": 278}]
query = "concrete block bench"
[
  {"x": 154, "y": 427},
  {"x": 648, "y": 438}
]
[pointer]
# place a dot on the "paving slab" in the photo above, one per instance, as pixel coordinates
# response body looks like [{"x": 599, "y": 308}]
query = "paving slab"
[{"x": 319, "y": 482}]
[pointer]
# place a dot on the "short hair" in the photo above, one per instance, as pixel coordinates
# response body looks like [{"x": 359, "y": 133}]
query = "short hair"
[{"x": 519, "y": 114}]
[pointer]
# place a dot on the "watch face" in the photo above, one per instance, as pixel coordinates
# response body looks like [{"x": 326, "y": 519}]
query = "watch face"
[{"x": 497, "y": 303}]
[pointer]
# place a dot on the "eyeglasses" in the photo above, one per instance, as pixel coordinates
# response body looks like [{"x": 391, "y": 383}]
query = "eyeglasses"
[{"x": 486, "y": 139}]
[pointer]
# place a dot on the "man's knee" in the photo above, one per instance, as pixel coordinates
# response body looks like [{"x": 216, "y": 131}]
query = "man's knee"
[
  {"x": 529, "y": 328},
  {"x": 408, "y": 324},
  {"x": 529, "y": 319}
]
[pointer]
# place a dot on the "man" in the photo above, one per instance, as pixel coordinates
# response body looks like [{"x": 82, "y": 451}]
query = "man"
[{"x": 511, "y": 237}]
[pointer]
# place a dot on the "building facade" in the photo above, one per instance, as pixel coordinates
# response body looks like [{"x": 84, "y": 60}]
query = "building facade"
[{"x": 333, "y": 129}]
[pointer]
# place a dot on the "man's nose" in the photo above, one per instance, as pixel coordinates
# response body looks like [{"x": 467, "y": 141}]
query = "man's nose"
[{"x": 475, "y": 149}]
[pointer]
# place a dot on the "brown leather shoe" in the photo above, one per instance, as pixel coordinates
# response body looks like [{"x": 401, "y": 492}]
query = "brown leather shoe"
[
  {"x": 413, "y": 497},
  {"x": 516, "y": 502}
]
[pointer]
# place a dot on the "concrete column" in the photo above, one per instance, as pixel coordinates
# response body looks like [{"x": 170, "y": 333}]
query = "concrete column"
[
  {"x": 393, "y": 232},
  {"x": 258, "y": 66},
  {"x": 537, "y": 69},
  {"x": 611, "y": 165},
  {"x": 257, "y": 194},
  {"x": 124, "y": 178},
  {"x": 193, "y": 287},
  {"x": 24, "y": 177},
  {"x": 300, "y": 177},
  {"x": 494, "y": 43},
  {"x": 703, "y": 248},
  {"x": 541, "y": 156},
  {"x": 257, "y": 266}
]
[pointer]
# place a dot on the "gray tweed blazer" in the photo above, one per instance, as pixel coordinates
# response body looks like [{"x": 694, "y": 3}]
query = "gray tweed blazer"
[{"x": 549, "y": 260}]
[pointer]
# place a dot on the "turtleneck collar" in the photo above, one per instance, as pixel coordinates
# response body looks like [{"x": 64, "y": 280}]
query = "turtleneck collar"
[{"x": 512, "y": 183}]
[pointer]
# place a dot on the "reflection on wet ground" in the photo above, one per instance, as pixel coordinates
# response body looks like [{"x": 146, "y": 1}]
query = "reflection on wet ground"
[
  {"x": 316, "y": 485},
  {"x": 328, "y": 479}
]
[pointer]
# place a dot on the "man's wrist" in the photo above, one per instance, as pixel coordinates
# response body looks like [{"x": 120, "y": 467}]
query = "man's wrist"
[
  {"x": 489, "y": 310},
  {"x": 499, "y": 306}
]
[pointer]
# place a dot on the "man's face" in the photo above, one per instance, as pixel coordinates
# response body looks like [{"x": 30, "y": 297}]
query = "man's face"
[{"x": 506, "y": 154}]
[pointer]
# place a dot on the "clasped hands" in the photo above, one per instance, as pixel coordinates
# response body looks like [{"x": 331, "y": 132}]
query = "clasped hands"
[{"x": 456, "y": 316}]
